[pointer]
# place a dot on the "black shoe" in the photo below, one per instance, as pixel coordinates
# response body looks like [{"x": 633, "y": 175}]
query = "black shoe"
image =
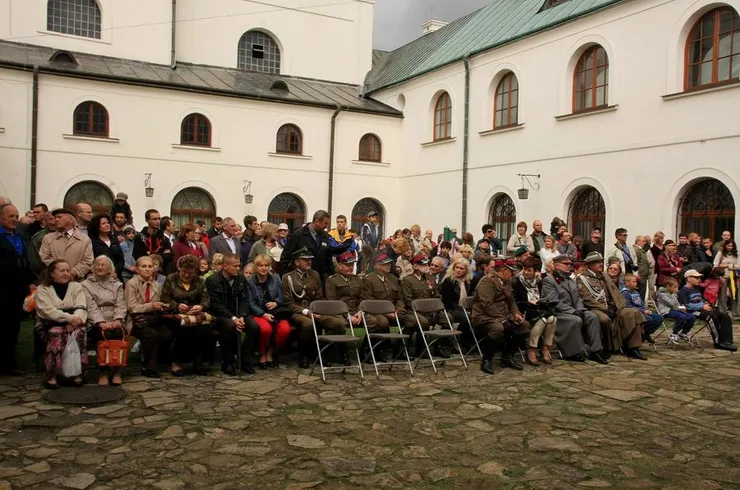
[
  {"x": 728, "y": 346},
  {"x": 228, "y": 369},
  {"x": 597, "y": 357},
  {"x": 486, "y": 366},
  {"x": 264, "y": 365},
  {"x": 150, "y": 373},
  {"x": 303, "y": 363},
  {"x": 201, "y": 371},
  {"x": 247, "y": 368},
  {"x": 576, "y": 358},
  {"x": 606, "y": 354},
  {"x": 635, "y": 354},
  {"x": 511, "y": 362},
  {"x": 180, "y": 373},
  {"x": 647, "y": 338}
]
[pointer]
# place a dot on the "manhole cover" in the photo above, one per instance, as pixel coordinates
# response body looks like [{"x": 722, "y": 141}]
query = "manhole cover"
[{"x": 85, "y": 395}]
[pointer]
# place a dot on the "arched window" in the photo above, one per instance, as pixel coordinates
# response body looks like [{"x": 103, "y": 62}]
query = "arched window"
[
  {"x": 195, "y": 130},
  {"x": 708, "y": 209},
  {"x": 97, "y": 195},
  {"x": 587, "y": 211},
  {"x": 75, "y": 17},
  {"x": 502, "y": 216},
  {"x": 506, "y": 104},
  {"x": 192, "y": 204},
  {"x": 713, "y": 49},
  {"x": 443, "y": 117},
  {"x": 287, "y": 208},
  {"x": 258, "y": 51},
  {"x": 591, "y": 80},
  {"x": 289, "y": 139},
  {"x": 91, "y": 119},
  {"x": 370, "y": 149},
  {"x": 362, "y": 209}
]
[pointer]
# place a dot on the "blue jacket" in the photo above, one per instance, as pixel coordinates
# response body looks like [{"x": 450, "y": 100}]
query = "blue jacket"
[
  {"x": 256, "y": 299},
  {"x": 633, "y": 299},
  {"x": 692, "y": 299}
]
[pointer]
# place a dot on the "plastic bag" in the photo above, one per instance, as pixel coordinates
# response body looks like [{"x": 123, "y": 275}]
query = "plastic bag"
[{"x": 71, "y": 363}]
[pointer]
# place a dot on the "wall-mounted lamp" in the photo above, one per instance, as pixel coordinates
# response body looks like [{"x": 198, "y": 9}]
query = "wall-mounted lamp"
[
  {"x": 524, "y": 192},
  {"x": 248, "y": 197},
  {"x": 148, "y": 185}
]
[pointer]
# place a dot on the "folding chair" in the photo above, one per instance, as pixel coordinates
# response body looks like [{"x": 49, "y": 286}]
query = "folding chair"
[
  {"x": 435, "y": 305},
  {"x": 377, "y": 307},
  {"x": 663, "y": 330},
  {"x": 468, "y": 307},
  {"x": 335, "y": 308}
]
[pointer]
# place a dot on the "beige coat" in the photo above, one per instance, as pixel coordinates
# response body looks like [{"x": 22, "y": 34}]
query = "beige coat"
[
  {"x": 105, "y": 301},
  {"x": 76, "y": 250},
  {"x": 134, "y": 296},
  {"x": 49, "y": 306}
]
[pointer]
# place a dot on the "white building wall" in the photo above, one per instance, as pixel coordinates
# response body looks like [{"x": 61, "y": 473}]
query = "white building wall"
[
  {"x": 330, "y": 42},
  {"x": 641, "y": 156},
  {"x": 132, "y": 29},
  {"x": 15, "y": 134},
  {"x": 145, "y": 137}
]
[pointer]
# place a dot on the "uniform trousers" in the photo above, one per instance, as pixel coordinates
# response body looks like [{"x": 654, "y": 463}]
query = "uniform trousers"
[
  {"x": 613, "y": 330},
  {"x": 329, "y": 325}
]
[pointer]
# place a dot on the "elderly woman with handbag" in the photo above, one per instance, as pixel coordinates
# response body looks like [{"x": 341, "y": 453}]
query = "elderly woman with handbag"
[
  {"x": 62, "y": 312},
  {"x": 186, "y": 296},
  {"x": 145, "y": 321},
  {"x": 106, "y": 312}
]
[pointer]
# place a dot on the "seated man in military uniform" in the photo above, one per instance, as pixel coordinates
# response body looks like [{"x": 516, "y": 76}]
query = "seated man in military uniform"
[
  {"x": 495, "y": 311},
  {"x": 301, "y": 287},
  {"x": 346, "y": 287},
  {"x": 621, "y": 327},
  {"x": 382, "y": 285},
  {"x": 419, "y": 285}
]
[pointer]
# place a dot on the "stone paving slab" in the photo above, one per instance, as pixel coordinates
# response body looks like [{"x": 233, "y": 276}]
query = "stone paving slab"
[{"x": 670, "y": 423}]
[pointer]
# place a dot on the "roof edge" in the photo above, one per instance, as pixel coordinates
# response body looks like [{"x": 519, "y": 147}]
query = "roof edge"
[{"x": 498, "y": 45}]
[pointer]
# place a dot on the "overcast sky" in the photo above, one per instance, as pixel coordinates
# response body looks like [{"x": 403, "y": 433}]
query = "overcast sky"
[{"x": 399, "y": 21}]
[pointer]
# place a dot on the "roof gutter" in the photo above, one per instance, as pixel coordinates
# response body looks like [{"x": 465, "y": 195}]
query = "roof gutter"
[
  {"x": 34, "y": 134},
  {"x": 173, "y": 54},
  {"x": 466, "y": 142},
  {"x": 331, "y": 156},
  {"x": 202, "y": 90}
]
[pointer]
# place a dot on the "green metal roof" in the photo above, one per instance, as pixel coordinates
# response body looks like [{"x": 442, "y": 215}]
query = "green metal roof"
[{"x": 501, "y": 22}]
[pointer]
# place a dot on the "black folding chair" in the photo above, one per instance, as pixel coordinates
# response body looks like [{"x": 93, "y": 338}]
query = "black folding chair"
[
  {"x": 377, "y": 307},
  {"x": 429, "y": 306},
  {"x": 335, "y": 308}
]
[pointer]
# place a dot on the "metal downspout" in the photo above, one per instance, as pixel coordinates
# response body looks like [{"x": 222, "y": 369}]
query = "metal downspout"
[
  {"x": 331, "y": 157},
  {"x": 34, "y": 134},
  {"x": 173, "y": 54},
  {"x": 466, "y": 137}
]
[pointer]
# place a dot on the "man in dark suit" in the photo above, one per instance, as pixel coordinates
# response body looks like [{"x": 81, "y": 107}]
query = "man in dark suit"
[
  {"x": 16, "y": 277},
  {"x": 314, "y": 237},
  {"x": 226, "y": 242}
]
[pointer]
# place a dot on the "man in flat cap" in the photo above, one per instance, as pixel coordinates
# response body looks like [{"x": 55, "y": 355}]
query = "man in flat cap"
[
  {"x": 497, "y": 316},
  {"x": 419, "y": 285},
  {"x": 578, "y": 331},
  {"x": 621, "y": 327},
  {"x": 68, "y": 244},
  {"x": 301, "y": 287}
]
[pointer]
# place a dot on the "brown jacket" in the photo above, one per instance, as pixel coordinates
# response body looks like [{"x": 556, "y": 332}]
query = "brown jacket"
[
  {"x": 599, "y": 282},
  {"x": 493, "y": 301},
  {"x": 174, "y": 294},
  {"x": 301, "y": 291},
  {"x": 414, "y": 288},
  {"x": 77, "y": 250},
  {"x": 345, "y": 288},
  {"x": 105, "y": 302},
  {"x": 134, "y": 296},
  {"x": 374, "y": 288}
]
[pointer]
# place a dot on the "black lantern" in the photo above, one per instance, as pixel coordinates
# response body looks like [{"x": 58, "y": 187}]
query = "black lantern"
[
  {"x": 148, "y": 185},
  {"x": 523, "y": 193},
  {"x": 248, "y": 197}
]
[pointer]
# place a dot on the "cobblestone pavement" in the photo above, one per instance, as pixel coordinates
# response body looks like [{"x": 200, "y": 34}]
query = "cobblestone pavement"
[{"x": 671, "y": 422}]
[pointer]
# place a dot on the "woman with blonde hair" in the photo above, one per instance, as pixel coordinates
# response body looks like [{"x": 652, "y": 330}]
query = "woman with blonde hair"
[
  {"x": 456, "y": 288},
  {"x": 267, "y": 245},
  {"x": 549, "y": 251},
  {"x": 106, "y": 311}
]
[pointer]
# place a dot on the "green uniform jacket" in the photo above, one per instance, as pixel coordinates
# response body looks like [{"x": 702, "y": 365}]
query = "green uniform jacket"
[
  {"x": 301, "y": 290},
  {"x": 345, "y": 288},
  {"x": 493, "y": 301},
  {"x": 413, "y": 288},
  {"x": 374, "y": 288}
]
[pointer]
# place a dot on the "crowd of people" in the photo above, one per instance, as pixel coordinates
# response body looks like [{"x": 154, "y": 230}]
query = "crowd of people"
[{"x": 185, "y": 294}]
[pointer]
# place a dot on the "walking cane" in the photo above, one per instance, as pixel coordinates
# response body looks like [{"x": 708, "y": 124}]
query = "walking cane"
[{"x": 238, "y": 340}]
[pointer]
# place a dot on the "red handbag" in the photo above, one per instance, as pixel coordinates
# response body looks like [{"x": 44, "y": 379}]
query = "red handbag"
[{"x": 113, "y": 353}]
